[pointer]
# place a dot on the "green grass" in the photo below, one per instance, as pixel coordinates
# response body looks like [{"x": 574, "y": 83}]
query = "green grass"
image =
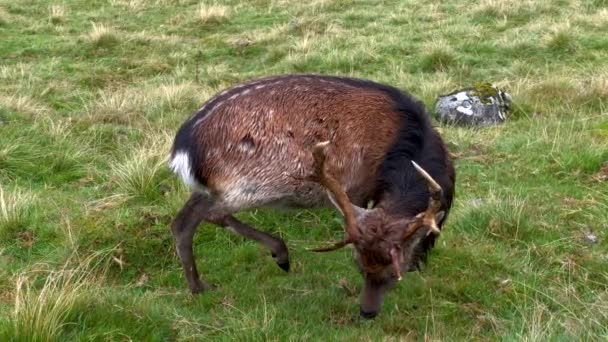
[{"x": 92, "y": 92}]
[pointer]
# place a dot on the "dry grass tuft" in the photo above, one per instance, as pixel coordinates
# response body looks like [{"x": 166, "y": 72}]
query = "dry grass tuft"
[
  {"x": 502, "y": 9},
  {"x": 438, "y": 56},
  {"x": 562, "y": 37},
  {"x": 140, "y": 174},
  {"x": 573, "y": 311},
  {"x": 209, "y": 14},
  {"x": 4, "y": 17},
  {"x": 441, "y": 83},
  {"x": 173, "y": 95},
  {"x": 15, "y": 208},
  {"x": 103, "y": 36},
  {"x": 149, "y": 37},
  {"x": 119, "y": 106},
  {"x": 306, "y": 43},
  {"x": 598, "y": 19},
  {"x": 40, "y": 313},
  {"x": 596, "y": 85},
  {"x": 129, "y": 105},
  {"x": 17, "y": 73},
  {"x": 57, "y": 14},
  {"x": 260, "y": 35},
  {"x": 23, "y": 105},
  {"x": 133, "y": 5}
]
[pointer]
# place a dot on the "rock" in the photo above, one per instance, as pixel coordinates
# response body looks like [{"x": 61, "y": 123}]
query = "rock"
[{"x": 481, "y": 105}]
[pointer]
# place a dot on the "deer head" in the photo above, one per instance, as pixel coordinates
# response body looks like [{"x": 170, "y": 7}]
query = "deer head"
[{"x": 380, "y": 241}]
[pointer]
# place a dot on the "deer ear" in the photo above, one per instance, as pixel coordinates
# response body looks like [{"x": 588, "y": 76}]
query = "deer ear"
[
  {"x": 439, "y": 216},
  {"x": 395, "y": 253},
  {"x": 358, "y": 211}
]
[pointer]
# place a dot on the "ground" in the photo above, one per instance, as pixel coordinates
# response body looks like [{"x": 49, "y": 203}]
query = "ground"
[{"x": 92, "y": 93}]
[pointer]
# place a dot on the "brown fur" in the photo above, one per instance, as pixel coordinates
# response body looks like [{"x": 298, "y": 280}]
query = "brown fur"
[{"x": 266, "y": 135}]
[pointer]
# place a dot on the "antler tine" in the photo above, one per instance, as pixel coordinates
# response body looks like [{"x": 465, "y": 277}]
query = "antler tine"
[
  {"x": 338, "y": 197},
  {"x": 433, "y": 186},
  {"x": 333, "y": 247},
  {"x": 427, "y": 217}
]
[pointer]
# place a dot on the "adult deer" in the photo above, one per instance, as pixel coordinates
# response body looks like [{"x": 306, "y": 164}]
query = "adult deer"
[{"x": 305, "y": 141}]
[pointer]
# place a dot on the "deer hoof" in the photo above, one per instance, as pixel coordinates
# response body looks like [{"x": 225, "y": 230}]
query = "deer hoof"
[
  {"x": 367, "y": 315},
  {"x": 202, "y": 287},
  {"x": 284, "y": 266}
]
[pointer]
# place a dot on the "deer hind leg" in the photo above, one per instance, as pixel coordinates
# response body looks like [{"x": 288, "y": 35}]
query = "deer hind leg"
[
  {"x": 200, "y": 207},
  {"x": 275, "y": 244},
  {"x": 183, "y": 228}
]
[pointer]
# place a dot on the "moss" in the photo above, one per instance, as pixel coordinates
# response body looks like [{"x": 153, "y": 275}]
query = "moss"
[{"x": 484, "y": 90}]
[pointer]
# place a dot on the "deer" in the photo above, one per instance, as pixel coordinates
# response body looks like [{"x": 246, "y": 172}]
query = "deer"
[{"x": 306, "y": 141}]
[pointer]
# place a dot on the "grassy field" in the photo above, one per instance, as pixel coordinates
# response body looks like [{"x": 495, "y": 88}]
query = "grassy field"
[{"x": 92, "y": 92}]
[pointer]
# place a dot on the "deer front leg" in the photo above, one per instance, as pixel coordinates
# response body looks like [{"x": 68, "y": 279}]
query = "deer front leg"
[{"x": 183, "y": 228}]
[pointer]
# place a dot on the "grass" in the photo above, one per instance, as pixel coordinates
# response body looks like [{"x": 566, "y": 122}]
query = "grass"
[
  {"x": 91, "y": 94},
  {"x": 57, "y": 14},
  {"x": 15, "y": 211},
  {"x": 213, "y": 14},
  {"x": 102, "y": 35},
  {"x": 41, "y": 314}
]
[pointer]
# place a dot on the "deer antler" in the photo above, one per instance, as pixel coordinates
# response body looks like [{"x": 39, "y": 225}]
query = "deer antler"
[
  {"x": 427, "y": 217},
  {"x": 338, "y": 197}
]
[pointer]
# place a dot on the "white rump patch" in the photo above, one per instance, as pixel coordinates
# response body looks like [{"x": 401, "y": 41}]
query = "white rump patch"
[{"x": 180, "y": 164}]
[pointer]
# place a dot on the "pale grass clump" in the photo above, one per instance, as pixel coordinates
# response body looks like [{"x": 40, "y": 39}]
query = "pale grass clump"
[
  {"x": 15, "y": 72},
  {"x": 561, "y": 37},
  {"x": 15, "y": 209},
  {"x": 570, "y": 91},
  {"x": 16, "y": 157},
  {"x": 438, "y": 55},
  {"x": 306, "y": 43},
  {"x": 208, "y": 14},
  {"x": 40, "y": 313},
  {"x": 144, "y": 103},
  {"x": 315, "y": 6},
  {"x": 172, "y": 95},
  {"x": 598, "y": 19},
  {"x": 261, "y": 35},
  {"x": 501, "y": 8},
  {"x": 121, "y": 106},
  {"x": 171, "y": 2},
  {"x": 497, "y": 214},
  {"x": 103, "y": 35},
  {"x": 151, "y": 37},
  {"x": 595, "y": 86},
  {"x": 57, "y": 14},
  {"x": 23, "y": 104},
  {"x": 581, "y": 316},
  {"x": 216, "y": 76},
  {"x": 4, "y": 17},
  {"x": 257, "y": 323},
  {"x": 140, "y": 174},
  {"x": 440, "y": 83},
  {"x": 557, "y": 86},
  {"x": 133, "y": 5},
  {"x": 58, "y": 128}
]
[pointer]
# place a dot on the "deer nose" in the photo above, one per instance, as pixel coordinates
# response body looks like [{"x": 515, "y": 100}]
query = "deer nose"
[{"x": 367, "y": 315}]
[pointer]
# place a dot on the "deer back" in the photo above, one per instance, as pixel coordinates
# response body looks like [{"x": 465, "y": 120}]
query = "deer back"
[{"x": 251, "y": 144}]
